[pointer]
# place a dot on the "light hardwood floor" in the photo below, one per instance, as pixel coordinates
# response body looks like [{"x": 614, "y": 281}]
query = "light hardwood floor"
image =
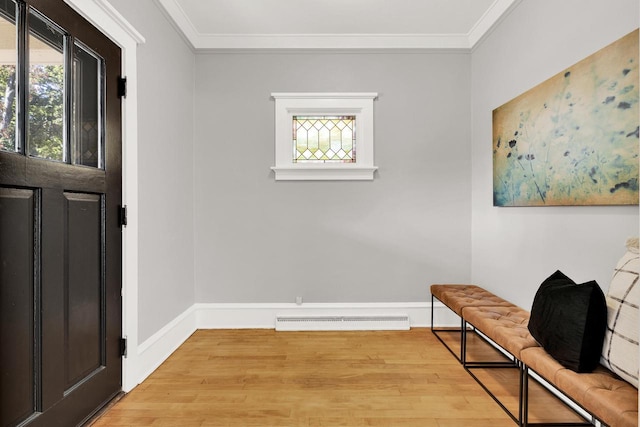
[{"x": 269, "y": 378}]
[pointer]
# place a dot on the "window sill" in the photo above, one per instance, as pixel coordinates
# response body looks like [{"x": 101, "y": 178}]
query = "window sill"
[{"x": 324, "y": 173}]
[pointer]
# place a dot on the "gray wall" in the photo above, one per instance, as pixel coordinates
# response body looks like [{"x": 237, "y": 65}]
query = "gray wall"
[
  {"x": 258, "y": 240},
  {"x": 165, "y": 170},
  {"x": 216, "y": 227},
  {"x": 514, "y": 249}
]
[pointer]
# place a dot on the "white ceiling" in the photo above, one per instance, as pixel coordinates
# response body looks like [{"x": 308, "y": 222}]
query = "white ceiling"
[{"x": 335, "y": 24}]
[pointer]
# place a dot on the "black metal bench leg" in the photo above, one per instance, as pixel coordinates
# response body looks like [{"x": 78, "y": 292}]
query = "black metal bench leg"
[
  {"x": 524, "y": 395},
  {"x": 436, "y": 331},
  {"x": 463, "y": 342}
]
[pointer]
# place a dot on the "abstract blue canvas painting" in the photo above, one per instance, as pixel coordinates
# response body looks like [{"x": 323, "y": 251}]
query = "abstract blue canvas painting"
[{"x": 573, "y": 139}]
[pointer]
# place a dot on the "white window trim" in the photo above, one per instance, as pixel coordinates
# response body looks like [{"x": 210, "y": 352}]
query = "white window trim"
[{"x": 323, "y": 104}]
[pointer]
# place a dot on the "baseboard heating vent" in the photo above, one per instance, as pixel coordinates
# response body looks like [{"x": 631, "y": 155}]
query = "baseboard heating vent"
[{"x": 342, "y": 323}]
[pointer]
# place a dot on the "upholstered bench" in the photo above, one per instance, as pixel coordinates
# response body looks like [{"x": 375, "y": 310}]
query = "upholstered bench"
[
  {"x": 456, "y": 297},
  {"x": 609, "y": 399},
  {"x": 506, "y": 326}
]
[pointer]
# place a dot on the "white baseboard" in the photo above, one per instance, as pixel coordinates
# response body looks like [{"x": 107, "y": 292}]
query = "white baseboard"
[
  {"x": 155, "y": 350},
  {"x": 263, "y": 316}
]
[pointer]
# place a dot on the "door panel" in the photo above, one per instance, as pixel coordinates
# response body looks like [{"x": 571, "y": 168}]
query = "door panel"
[
  {"x": 17, "y": 216},
  {"x": 84, "y": 291},
  {"x": 60, "y": 240}
]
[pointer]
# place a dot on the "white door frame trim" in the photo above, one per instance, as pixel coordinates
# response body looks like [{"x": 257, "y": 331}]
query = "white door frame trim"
[{"x": 108, "y": 20}]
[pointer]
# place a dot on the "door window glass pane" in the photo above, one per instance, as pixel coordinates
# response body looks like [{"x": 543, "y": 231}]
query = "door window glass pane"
[
  {"x": 45, "y": 122},
  {"x": 8, "y": 58},
  {"x": 87, "y": 107}
]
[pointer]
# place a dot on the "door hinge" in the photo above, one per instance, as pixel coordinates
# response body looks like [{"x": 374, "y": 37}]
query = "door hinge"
[
  {"x": 122, "y": 87},
  {"x": 122, "y": 216},
  {"x": 123, "y": 347}
]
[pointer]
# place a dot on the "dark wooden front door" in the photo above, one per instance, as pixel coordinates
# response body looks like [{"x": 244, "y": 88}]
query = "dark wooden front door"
[{"x": 60, "y": 237}]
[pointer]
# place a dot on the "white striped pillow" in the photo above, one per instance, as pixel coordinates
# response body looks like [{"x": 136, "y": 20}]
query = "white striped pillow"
[{"x": 620, "y": 350}]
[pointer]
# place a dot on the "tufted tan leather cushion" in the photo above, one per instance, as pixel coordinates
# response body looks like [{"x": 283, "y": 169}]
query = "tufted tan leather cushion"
[
  {"x": 507, "y": 326},
  {"x": 456, "y": 297},
  {"x": 616, "y": 402},
  {"x": 608, "y": 397}
]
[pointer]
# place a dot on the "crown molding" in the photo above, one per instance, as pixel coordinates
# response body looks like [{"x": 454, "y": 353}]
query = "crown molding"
[
  {"x": 89, "y": 8},
  {"x": 494, "y": 14},
  {"x": 318, "y": 42},
  {"x": 331, "y": 41}
]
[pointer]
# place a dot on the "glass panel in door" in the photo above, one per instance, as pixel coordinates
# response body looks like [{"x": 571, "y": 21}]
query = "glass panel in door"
[
  {"x": 45, "y": 122},
  {"x": 8, "y": 59},
  {"x": 87, "y": 141}
]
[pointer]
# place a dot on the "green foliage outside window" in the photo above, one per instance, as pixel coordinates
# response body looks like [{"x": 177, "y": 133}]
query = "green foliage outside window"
[
  {"x": 8, "y": 107},
  {"x": 45, "y": 122},
  {"x": 46, "y": 111}
]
